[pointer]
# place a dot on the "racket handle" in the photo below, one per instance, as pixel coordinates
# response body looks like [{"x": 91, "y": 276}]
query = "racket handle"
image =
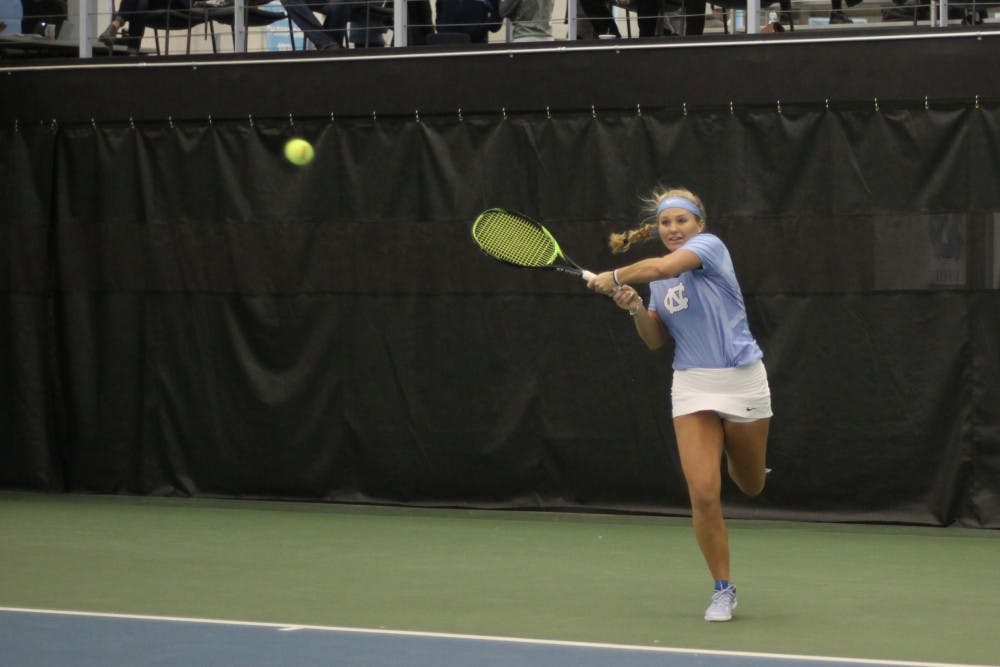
[{"x": 587, "y": 275}]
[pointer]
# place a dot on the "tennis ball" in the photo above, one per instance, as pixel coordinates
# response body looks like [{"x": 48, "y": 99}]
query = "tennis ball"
[{"x": 299, "y": 152}]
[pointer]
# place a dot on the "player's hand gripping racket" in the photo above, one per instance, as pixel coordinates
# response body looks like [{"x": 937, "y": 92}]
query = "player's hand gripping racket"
[{"x": 516, "y": 239}]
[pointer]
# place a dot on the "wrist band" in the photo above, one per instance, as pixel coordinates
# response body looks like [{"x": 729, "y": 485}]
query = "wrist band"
[{"x": 614, "y": 276}]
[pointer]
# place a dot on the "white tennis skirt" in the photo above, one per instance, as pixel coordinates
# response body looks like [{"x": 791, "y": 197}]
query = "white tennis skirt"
[{"x": 738, "y": 394}]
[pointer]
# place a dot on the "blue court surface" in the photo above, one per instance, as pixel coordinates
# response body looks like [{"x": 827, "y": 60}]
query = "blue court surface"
[{"x": 44, "y": 638}]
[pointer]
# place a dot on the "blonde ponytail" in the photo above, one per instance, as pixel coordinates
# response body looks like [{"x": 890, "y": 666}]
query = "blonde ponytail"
[{"x": 623, "y": 242}]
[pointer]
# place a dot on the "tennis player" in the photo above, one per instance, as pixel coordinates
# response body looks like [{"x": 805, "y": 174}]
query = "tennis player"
[{"x": 720, "y": 395}]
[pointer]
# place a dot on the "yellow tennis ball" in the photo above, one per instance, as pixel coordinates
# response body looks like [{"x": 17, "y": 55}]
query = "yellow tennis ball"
[{"x": 299, "y": 152}]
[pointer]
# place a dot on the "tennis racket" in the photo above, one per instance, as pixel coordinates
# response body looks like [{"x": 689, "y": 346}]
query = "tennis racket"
[{"x": 516, "y": 239}]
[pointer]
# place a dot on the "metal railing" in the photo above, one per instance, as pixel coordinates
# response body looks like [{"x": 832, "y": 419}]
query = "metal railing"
[{"x": 87, "y": 21}]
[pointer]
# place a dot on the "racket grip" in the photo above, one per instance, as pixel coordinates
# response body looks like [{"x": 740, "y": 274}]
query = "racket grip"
[{"x": 587, "y": 275}]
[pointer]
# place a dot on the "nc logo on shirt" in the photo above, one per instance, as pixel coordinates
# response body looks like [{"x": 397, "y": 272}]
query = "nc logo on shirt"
[{"x": 675, "y": 301}]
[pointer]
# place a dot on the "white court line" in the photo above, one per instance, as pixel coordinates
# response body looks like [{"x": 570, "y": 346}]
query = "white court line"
[{"x": 286, "y": 627}]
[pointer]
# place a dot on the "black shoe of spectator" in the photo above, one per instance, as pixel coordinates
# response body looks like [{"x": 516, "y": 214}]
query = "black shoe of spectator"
[
  {"x": 853, "y": 3},
  {"x": 839, "y": 17},
  {"x": 332, "y": 46}
]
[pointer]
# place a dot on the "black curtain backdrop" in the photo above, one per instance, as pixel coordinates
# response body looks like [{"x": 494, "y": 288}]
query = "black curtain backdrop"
[{"x": 184, "y": 312}]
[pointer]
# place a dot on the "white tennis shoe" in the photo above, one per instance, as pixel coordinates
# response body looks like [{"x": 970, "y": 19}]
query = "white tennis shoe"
[{"x": 723, "y": 604}]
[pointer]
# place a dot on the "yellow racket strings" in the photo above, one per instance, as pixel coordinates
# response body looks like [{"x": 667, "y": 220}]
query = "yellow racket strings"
[{"x": 513, "y": 239}]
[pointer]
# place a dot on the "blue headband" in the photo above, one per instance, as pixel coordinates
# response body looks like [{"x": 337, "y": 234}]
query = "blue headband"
[{"x": 679, "y": 202}]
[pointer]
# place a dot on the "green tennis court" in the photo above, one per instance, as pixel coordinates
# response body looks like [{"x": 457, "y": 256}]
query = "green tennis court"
[{"x": 856, "y": 591}]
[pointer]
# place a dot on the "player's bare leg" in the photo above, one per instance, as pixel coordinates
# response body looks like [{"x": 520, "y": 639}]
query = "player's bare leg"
[
  {"x": 699, "y": 443},
  {"x": 746, "y": 453}
]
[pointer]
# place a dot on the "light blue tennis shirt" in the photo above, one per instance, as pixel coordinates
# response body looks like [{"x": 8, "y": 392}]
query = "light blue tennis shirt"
[{"x": 704, "y": 311}]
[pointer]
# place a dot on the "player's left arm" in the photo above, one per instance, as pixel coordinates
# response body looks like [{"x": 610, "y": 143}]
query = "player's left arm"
[{"x": 646, "y": 271}]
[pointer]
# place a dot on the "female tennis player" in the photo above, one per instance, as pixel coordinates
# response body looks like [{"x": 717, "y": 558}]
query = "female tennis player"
[{"x": 721, "y": 399}]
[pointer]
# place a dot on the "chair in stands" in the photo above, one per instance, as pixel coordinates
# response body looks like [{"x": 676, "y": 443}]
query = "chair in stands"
[
  {"x": 693, "y": 14},
  {"x": 970, "y": 12},
  {"x": 785, "y": 6},
  {"x": 253, "y": 17},
  {"x": 368, "y": 21},
  {"x": 379, "y": 12},
  {"x": 41, "y": 13},
  {"x": 361, "y": 23},
  {"x": 169, "y": 16}
]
